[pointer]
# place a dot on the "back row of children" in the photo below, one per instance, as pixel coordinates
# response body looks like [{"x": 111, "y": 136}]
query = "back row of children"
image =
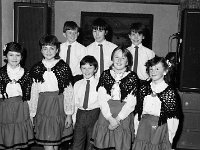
[{"x": 105, "y": 119}]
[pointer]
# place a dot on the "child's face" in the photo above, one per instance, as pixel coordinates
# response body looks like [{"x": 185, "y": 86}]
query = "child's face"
[
  {"x": 119, "y": 61},
  {"x": 136, "y": 38},
  {"x": 157, "y": 72},
  {"x": 49, "y": 52},
  {"x": 71, "y": 35},
  {"x": 99, "y": 35},
  {"x": 14, "y": 58},
  {"x": 88, "y": 70}
]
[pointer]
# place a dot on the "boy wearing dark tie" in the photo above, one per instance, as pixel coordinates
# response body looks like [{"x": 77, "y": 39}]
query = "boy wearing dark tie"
[{"x": 86, "y": 105}]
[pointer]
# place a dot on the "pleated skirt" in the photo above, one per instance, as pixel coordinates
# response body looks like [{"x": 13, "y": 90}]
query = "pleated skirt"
[
  {"x": 150, "y": 136},
  {"x": 120, "y": 138},
  {"x": 50, "y": 120},
  {"x": 16, "y": 128}
]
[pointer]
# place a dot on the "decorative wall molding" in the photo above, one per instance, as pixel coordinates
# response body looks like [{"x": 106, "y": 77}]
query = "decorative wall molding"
[{"x": 169, "y": 2}]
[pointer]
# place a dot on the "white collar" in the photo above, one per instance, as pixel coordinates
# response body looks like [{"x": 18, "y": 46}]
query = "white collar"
[
  {"x": 91, "y": 78},
  {"x": 67, "y": 43},
  {"x": 140, "y": 45},
  {"x": 101, "y": 42},
  {"x": 13, "y": 71},
  {"x": 159, "y": 87},
  {"x": 51, "y": 64}
]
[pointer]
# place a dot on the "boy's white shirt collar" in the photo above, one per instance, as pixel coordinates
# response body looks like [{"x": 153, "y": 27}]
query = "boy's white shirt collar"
[
  {"x": 67, "y": 43},
  {"x": 91, "y": 78},
  {"x": 137, "y": 45},
  {"x": 101, "y": 42}
]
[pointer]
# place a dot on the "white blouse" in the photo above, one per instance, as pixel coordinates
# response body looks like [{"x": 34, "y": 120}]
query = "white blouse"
[
  {"x": 103, "y": 99},
  {"x": 152, "y": 106},
  {"x": 13, "y": 88},
  {"x": 50, "y": 84}
]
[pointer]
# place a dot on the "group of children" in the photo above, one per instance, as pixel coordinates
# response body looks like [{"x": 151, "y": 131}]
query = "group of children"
[{"x": 75, "y": 93}]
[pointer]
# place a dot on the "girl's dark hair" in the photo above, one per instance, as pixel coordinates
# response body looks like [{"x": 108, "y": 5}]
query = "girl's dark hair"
[
  {"x": 127, "y": 54},
  {"x": 154, "y": 61},
  {"x": 14, "y": 47},
  {"x": 171, "y": 60},
  {"x": 52, "y": 41},
  {"x": 88, "y": 59}
]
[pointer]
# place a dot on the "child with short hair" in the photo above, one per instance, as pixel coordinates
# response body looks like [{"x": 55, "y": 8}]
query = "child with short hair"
[
  {"x": 72, "y": 51},
  {"x": 86, "y": 104},
  {"x": 101, "y": 49},
  {"x": 157, "y": 110},
  {"x": 117, "y": 90},
  {"x": 51, "y": 102},
  {"x": 141, "y": 54},
  {"x": 16, "y": 129}
]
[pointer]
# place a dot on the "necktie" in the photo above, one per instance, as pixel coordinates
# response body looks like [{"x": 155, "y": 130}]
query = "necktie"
[
  {"x": 85, "y": 103},
  {"x": 136, "y": 59},
  {"x": 101, "y": 59},
  {"x": 68, "y": 54}
]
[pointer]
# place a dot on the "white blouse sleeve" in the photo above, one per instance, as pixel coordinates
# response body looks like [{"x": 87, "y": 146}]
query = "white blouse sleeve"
[
  {"x": 128, "y": 107},
  {"x": 172, "y": 128},
  {"x": 103, "y": 98},
  {"x": 34, "y": 99},
  {"x": 136, "y": 123},
  {"x": 69, "y": 100}
]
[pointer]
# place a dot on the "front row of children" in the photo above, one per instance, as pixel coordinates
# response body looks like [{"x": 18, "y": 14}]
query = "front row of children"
[{"x": 119, "y": 112}]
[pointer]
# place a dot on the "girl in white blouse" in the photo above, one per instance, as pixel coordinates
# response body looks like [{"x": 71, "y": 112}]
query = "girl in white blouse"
[
  {"x": 16, "y": 129},
  {"x": 52, "y": 103},
  {"x": 157, "y": 110},
  {"x": 117, "y": 90}
]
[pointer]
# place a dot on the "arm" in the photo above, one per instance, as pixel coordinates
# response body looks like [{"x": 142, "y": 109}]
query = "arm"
[
  {"x": 128, "y": 107},
  {"x": 136, "y": 123},
  {"x": 103, "y": 98},
  {"x": 68, "y": 104},
  {"x": 34, "y": 99},
  {"x": 172, "y": 124}
]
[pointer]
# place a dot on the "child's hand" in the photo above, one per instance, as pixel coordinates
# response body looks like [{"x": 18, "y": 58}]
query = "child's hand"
[
  {"x": 118, "y": 119},
  {"x": 113, "y": 123},
  {"x": 68, "y": 121},
  {"x": 31, "y": 120},
  {"x": 110, "y": 127}
]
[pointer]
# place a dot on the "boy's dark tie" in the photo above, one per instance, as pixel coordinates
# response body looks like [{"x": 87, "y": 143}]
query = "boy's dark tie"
[
  {"x": 85, "y": 103},
  {"x": 136, "y": 59},
  {"x": 68, "y": 54},
  {"x": 101, "y": 59}
]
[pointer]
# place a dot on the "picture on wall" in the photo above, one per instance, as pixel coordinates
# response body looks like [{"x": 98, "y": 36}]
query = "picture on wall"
[{"x": 119, "y": 24}]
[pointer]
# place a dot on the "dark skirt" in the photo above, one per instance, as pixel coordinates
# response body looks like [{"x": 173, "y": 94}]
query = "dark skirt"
[
  {"x": 150, "y": 136},
  {"x": 16, "y": 129},
  {"x": 120, "y": 138},
  {"x": 50, "y": 120}
]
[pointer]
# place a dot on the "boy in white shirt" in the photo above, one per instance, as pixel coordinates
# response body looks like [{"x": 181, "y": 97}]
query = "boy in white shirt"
[
  {"x": 76, "y": 52},
  {"x": 99, "y": 31},
  {"x": 137, "y": 35},
  {"x": 86, "y": 105}
]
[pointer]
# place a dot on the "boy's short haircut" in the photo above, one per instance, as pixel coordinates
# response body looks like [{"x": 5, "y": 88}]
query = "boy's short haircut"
[
  {"x": 99, "y": 24},
  {"x": 91, "y": 60},
  {"x": 70, "y": 25},
  {"x": 138, "y": 28}
]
